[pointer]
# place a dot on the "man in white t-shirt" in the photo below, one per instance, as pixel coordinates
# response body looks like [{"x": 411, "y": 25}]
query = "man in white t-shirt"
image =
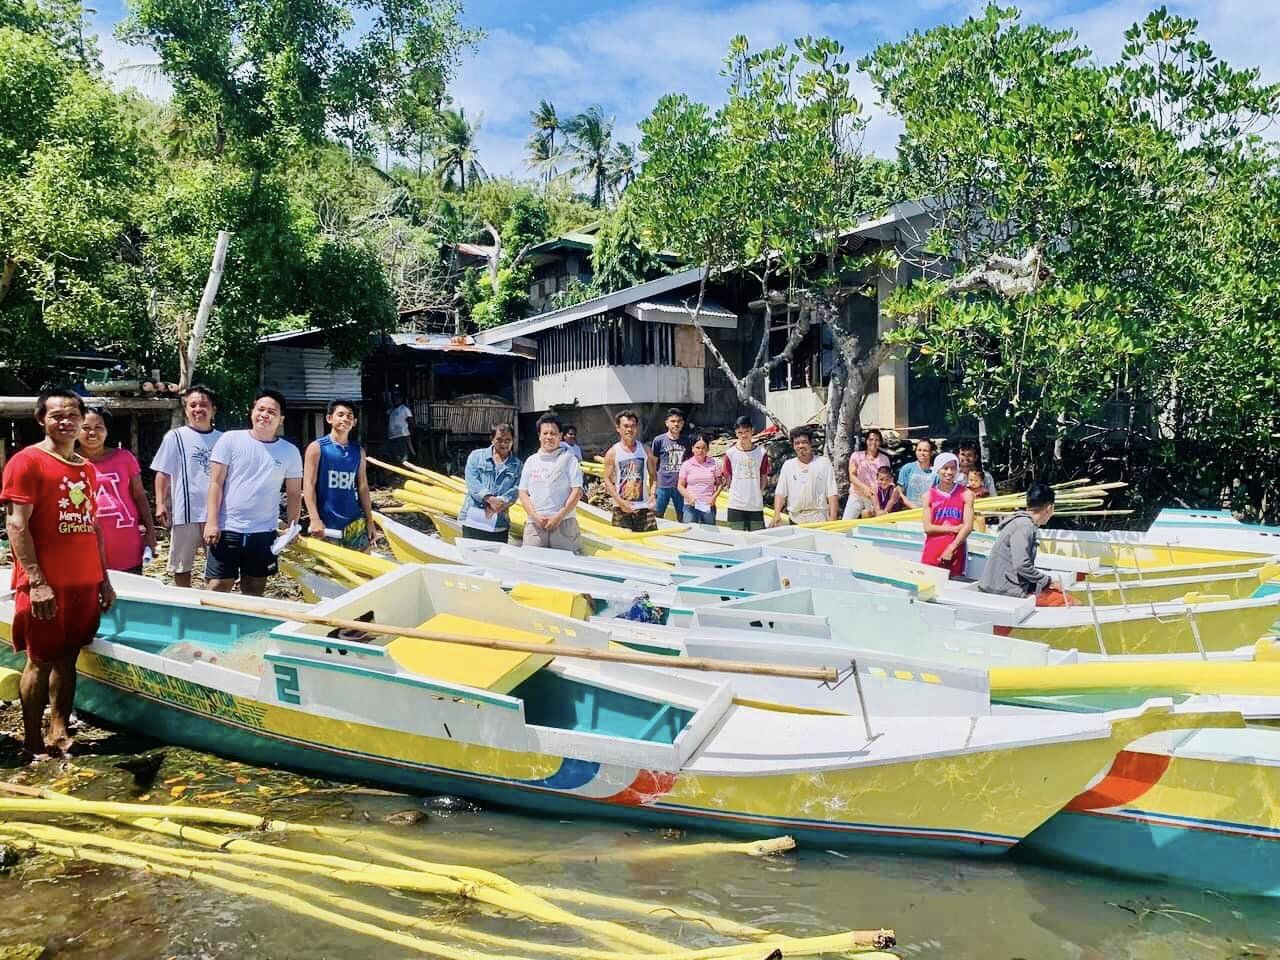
[
  {"x": 400, "y": 432},
  {"x": 549, "y": 491},
  {"x": 181, "y": 467},
  {"x": 249, "y": 468},
  {"x": 806, "y": 484}
]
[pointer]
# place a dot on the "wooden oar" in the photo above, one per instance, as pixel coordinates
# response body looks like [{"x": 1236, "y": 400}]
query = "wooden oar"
[{"x": 826, "y": 674}]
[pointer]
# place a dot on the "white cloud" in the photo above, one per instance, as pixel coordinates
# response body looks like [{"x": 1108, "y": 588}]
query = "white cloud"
[
  {"x": 626, "y": 59},
  {"x": 128, "y": 66}
]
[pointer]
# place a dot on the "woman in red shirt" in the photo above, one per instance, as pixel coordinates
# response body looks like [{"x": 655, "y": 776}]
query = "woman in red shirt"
[
  {"x": 59, "y": 573},
  {"x": 124, "y": 513}
]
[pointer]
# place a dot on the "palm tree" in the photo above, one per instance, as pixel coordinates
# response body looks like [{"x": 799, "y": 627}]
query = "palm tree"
[
  {"x": 543, "y": 155},
  {"x": 623, "y": 167},
  {"x": 588, "y": 143},
  {"x": 456, "y": 149}
]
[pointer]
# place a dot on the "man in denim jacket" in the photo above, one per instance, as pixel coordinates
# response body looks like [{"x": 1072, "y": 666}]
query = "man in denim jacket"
[{"x": 492, "y": 474}]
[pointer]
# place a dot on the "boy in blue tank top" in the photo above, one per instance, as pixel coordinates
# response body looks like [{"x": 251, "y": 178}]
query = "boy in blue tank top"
[{"x": 335, "y": 483}]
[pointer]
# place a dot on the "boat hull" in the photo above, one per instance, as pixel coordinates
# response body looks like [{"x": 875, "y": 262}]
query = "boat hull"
[
  {"x": 1221, "y": 628},
  {"x": 1208, "y": 822},
  {"x": 975, "y": 804}
]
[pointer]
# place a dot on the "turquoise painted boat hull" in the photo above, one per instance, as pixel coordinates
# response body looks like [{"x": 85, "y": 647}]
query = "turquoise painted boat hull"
[{"x": 1214, "y": 855}]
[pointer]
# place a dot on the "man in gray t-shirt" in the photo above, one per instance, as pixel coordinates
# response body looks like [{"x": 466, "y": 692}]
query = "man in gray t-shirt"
[
  {"x": 181, "y": 467},
  {"x": 248, "y": 469}
]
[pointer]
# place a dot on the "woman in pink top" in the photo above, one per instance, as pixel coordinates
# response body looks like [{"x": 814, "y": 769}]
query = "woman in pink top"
[
  {"x": 699, "y": 481},
  {"x": 124, "y": 514},
  {"x": 864, "y": 466}
]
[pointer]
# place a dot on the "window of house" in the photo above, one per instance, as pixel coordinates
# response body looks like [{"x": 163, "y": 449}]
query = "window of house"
[{"x": 804, "y": 369}]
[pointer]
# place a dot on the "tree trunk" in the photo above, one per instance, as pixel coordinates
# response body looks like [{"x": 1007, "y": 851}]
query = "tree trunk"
[
  {"x": 201, "y": 325},
  {"x": 6, "y": 276}
]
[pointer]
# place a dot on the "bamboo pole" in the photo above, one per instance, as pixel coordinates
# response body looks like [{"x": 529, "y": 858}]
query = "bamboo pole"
[{"x": 821, "y": 674}]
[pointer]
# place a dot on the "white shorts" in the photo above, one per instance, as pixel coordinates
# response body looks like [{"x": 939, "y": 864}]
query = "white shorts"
[
  {"x": 854, "y": 508},
  {"x": 185, "y": 540}
]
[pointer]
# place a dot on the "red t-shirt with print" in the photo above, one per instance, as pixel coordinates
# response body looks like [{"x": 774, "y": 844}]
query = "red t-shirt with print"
[{"x": 61, "y": 495}]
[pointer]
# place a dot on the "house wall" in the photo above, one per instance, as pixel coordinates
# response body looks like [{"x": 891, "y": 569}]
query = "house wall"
[
  {"x": 618, "y": 387},
  {"x": 304, "y": 375}
]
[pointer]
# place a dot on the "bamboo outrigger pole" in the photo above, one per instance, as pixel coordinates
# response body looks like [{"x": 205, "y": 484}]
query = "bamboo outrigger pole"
[{"x": 821, "y": 674}]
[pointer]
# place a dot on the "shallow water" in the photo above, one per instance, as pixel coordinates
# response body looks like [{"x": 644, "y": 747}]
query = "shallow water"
[{"x": 959, "y": 910}]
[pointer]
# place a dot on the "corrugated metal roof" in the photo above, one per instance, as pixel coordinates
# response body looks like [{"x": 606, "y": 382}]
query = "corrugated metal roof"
[
  {"x": 589, "y": 308},
  {"x": 439, "y": 342},
  {"x": 677, "y": 306}
]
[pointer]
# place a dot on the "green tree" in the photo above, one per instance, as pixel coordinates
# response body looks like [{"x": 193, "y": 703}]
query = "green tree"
[
  {"x": 456, "y": 159},
  {"x": 764, "y": 185},
  {"x": 587, "y": 148},
  {"x": 1102, "y": 223},
  {"x": 544, "y": 154},
  {"x": 75, "y": 169},
  {"x": 623, "y": 167}
]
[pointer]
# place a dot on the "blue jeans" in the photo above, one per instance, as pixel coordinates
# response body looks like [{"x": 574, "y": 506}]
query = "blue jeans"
[
  {"x": 694, "y": 515},
  {"x": 667, "y": 496}
]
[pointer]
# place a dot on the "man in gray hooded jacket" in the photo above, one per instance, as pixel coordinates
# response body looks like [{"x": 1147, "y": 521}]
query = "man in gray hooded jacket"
[{"x": 1011, "y": 566}]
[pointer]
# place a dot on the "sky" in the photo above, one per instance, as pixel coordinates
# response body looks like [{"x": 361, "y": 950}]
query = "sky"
[{"x": 625, "y": 55}]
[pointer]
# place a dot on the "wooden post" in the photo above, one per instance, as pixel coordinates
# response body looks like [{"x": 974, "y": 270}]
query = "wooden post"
[
  {"x": 135, "y": 428},
  {"x": 205, "y": 309}
]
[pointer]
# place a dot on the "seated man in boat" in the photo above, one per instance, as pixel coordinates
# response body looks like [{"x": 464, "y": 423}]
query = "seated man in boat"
[
  {"x": 492, "y": 475},
  {"x": 630, "y": 469},
  {"x": 335, "y": 482},
  {"x": 181, "y": 467},
  {"x": 60, "y": 576},
  {"x": 1011, "y": 565},
  {"x": 249, "y": 468},
  {"x": 549, "y": 490},
  {"x": 806, "y": 484}
]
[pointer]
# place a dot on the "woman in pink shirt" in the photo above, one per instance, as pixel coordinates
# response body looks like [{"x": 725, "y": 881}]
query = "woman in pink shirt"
[
  {"x": 699, "y": 481},
  {"x": 124, "y": 513},
  {"x": 864, "y": 466}
]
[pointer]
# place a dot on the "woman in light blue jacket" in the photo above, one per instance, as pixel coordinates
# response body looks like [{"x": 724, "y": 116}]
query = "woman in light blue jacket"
[{"x": 492, "y": 475}]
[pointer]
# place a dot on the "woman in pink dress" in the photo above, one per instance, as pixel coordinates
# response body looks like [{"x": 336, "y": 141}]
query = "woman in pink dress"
[
  {"x": 124, "y": 513},
  {"x": 948, "y": 519}
]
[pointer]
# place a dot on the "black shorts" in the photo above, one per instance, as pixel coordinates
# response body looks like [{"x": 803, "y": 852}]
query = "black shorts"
[
  {"x": 238, "y": 555},
  {"x": 745, "y": 519}
]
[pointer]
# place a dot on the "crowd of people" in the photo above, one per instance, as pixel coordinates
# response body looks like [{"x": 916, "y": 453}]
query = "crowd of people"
[
  {"x": 77, "y": 508},
  {"x": 675, "y": 475}
]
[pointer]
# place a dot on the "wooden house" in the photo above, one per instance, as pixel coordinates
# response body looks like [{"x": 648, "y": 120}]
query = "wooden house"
[{"x": 456, "y": 387}]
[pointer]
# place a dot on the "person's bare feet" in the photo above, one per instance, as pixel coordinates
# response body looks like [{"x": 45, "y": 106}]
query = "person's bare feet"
[{"x": 29, "y": 756}]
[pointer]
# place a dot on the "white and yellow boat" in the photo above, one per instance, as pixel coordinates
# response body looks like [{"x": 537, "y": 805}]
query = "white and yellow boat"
[{"x": 564, "y": 737}]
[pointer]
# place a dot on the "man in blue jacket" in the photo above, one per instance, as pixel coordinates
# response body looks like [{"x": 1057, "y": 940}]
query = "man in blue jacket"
[{"x": 492, "y": 475}]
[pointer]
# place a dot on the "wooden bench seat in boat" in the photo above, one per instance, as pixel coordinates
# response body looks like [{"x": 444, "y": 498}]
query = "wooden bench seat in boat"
[{"x": 500, "y": 671}]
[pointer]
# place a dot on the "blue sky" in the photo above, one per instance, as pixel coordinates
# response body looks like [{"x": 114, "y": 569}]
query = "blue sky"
[{"x": 625, "y": 55}]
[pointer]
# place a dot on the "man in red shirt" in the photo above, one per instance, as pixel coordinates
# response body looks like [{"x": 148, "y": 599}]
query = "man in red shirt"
[{"x": 60, "y": 574}]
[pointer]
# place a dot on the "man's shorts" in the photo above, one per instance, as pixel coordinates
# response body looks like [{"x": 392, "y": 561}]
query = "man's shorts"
[
  {"x": 745, "y": 519},
  {"x": 238, "y": 555},
  {"x": 185, "y": 541},
  {"x": 355, "y": 535},
  {"x": 567, "y": 536},
  {"x": 637, "y": 521},
  {"x": 74, "y": 624}
]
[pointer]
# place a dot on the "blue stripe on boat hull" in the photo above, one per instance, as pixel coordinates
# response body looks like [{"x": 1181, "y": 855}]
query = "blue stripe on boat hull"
[
  {"x": 1222, "y": 857},
  {"x": 178, "y": 725}
]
